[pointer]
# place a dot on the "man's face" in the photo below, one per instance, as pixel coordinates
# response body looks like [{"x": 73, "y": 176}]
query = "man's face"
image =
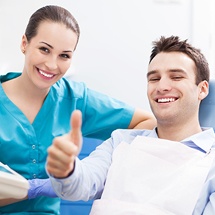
[{"x": 173, "y": 95}]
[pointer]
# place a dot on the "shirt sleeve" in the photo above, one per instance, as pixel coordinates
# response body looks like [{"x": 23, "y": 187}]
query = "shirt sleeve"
[
  {"x": 88, "y": 179},
  {"x": 206, "y": 201},
  {"x": 210, "y": 209}
]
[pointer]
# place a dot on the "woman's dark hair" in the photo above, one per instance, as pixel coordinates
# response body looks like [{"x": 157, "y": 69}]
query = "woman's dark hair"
[
  {"x": 174, "y": 44},
  {"x": 51, "y": 13}
]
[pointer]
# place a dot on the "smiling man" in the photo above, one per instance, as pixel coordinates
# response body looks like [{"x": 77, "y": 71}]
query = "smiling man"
[{"x": 167, "y": 170}]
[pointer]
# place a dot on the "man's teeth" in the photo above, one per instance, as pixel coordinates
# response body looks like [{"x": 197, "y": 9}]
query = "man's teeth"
[
  {"x": 45, "y": 74},
  {"x": 166, "y": 100}
]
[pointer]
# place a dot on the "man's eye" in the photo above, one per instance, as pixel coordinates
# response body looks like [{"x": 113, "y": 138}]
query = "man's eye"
[
  {"x": 177, "y": 78},
  {"x": 44, "y": 49},
  {"x": 153, "y": 79}
]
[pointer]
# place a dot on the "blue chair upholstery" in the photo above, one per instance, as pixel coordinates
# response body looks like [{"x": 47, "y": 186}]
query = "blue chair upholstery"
[
  {"x": 80, "y": 207},
  {"x": 207, "y": 108}
]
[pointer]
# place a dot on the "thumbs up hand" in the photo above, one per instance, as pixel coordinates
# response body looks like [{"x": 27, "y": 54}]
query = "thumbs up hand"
[{"x": 64, "y": 149}]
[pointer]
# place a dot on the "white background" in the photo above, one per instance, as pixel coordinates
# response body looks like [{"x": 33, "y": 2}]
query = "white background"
[{"x": 116, "y": 38}]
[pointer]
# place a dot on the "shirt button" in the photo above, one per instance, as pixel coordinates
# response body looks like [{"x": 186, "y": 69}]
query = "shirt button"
[
  {"x": 33, "y": 146},
  {"x": 34, "y": 175},
  {"x": 34, "y": 161}
]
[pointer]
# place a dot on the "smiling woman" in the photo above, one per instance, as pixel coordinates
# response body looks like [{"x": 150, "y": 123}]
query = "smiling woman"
[
  {"x": 48, "y": 58},
  {"x": 45, "y": 64},
  {"x": 36, "y": 105}
]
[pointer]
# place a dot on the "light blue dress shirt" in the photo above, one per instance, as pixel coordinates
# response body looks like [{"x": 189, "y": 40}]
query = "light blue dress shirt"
[
  {"x": 88, "y": 179},
  {"x": 23, "y": 146}
]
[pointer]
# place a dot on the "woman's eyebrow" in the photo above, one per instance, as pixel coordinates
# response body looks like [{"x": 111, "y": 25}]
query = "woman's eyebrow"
[
  {"x": 47, "y": 44},
  {"x": 53, "y": 47}
]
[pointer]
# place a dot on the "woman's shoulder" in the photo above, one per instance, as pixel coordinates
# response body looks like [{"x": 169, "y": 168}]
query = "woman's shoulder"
[
  {"x": 8, "y": 76},
  {"x": 67, "y": 87}
]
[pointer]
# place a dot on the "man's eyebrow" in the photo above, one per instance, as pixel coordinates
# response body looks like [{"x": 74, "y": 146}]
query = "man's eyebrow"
[
  {"x": 53, "y": 47},
  {"x": 151, "y": 73},
  {"x": 170, "y": 71},
  {"x": 178, "y": 71}
]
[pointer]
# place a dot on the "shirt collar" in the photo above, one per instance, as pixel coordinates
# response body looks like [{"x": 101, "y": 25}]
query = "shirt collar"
[{"x": 205, "y": 140}]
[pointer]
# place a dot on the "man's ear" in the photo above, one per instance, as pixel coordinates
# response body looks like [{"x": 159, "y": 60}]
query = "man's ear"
[
  {"x": 203, "y": 89},
  {"x": 24, "y": 43}
]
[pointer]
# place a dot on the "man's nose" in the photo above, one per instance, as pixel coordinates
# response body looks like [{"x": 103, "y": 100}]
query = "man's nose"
[{"x": 164, "y": 84}]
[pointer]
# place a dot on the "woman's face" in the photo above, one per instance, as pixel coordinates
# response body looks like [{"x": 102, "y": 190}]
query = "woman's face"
[{"x": 48, "y": 55}]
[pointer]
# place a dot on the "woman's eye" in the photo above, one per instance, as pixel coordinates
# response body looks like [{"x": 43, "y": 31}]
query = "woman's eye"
[
  {"x": 44, "y": 49},
  {"x": 65, "y": 56}
]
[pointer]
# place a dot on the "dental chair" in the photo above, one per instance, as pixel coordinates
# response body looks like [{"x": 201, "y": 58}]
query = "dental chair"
[
  {"x": 206, "y": 117},
  {"x": 207, "y": 108}
]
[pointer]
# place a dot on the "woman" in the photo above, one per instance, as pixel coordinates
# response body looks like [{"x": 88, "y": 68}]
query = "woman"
[{"x": 36, "y": 104}]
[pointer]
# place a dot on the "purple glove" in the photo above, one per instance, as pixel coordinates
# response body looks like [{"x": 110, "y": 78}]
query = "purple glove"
[{"x": 40, "y": 187}]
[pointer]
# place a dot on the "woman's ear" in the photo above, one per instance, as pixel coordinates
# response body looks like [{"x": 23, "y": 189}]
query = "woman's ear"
[
  {"x": 24, "y": 43},
  {"x": 203, "y": 89}
]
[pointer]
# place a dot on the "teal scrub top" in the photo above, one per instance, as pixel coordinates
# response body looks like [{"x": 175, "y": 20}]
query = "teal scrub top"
[{"x": 23, "y": 146}]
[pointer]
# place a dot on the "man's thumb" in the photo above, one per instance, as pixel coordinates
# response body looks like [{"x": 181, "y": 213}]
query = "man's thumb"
[{"x": 76, "y": 122}]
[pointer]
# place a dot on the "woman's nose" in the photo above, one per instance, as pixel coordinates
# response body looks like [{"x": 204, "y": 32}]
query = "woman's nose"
[{"x": 51, "y": 63}]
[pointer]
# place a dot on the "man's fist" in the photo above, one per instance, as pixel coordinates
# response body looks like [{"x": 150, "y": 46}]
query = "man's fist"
[{"x": 64, "y": 149}]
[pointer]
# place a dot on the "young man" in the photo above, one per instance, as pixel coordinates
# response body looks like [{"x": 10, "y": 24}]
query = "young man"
[{"x": 168, "y": 170}]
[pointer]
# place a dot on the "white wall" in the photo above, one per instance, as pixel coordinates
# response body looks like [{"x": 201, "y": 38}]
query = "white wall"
[{"x": 116, "y": 35}]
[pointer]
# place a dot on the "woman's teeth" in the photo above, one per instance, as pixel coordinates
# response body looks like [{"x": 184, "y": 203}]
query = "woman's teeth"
[{"x": 45, "y": 74}]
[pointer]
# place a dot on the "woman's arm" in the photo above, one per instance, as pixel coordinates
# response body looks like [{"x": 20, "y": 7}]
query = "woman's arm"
[{"x": 142, "y": 120}]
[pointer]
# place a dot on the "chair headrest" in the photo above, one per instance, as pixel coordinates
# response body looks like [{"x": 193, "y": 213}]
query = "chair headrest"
[{"x": 207, "y": 108}]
